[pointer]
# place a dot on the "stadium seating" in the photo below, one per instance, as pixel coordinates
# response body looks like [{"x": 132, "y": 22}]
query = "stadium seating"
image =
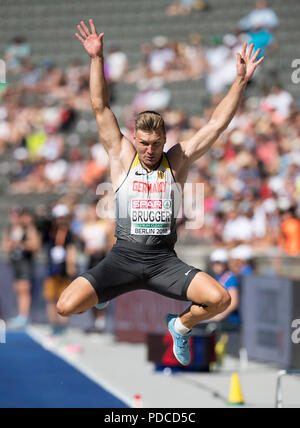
[{"x": 50, "y": 28}]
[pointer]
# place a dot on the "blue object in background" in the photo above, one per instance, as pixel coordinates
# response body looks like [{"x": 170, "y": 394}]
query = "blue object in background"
[{"x": 261, "y": 39}]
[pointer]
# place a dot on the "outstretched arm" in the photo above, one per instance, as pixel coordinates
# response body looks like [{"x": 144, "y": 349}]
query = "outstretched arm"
[
  {"x": 194, "y": 148},
  {"x": 109, "y": 131}
]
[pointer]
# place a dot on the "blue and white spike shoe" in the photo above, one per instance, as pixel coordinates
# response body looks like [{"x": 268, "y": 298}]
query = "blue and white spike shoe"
[{"x": 181, "y": 347}]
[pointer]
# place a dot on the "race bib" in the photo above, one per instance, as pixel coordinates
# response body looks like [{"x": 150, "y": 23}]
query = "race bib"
[{"x": 151, "y": 217}]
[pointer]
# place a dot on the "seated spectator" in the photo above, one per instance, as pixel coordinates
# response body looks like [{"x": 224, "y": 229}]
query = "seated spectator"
[
  {"x": 67, "y": 117},
  {"x": 170, "y": 60},
  {"x": 180, "y": 7},
  {"x": 238, "y": 228},
  {"x": 267, "y": 150},
  {"x": 55, "y": 172},
  {"x": 215, "y": 57},
  {"x": 17, "y": 51},
  {"x": 73, "y": 75},
  {"x": 51, "y": 115},
  {"x": 179, "y": 68},
  {"x": 52, "y": 76},
  {"x": 272, "y": 225},
  {"x": 152, "y": 95},
  {"x": 289, "y": 237},
  {"x": 195, "y": 55},
  {"x": 142, "y": 69},
  {"x": 261, "y": 16},
  {"x": 262, "y": 39},
  {"x": 31, "y": 76},
  {"x": 76, "y": 168},
  {"x": 99, "y": 154},
  {"x": 23, "y": 167},
  {"x": 54, "y": 146},
  {"x": 221, "y": 61},
  {"x": 94, "y": 171},
  {"x": 34, "y": 182},
  {"x": 278, "y": 103},
  {"x": 185, "y": 7},
  {"x": 161, "y": 56},
  {"x": 35, "y": 142},
  {"x": 117, "y": 64},
  {"x": 261, "y": 225}
]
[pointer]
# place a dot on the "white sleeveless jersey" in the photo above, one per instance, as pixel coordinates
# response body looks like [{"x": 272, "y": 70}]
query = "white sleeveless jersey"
[{"x": 145, "y": 205}]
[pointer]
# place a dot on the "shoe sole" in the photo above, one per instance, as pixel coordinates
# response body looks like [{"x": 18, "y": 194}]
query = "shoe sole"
[
  {"x": 104, "y": 306},
  {"x": 184, "y": 365}
]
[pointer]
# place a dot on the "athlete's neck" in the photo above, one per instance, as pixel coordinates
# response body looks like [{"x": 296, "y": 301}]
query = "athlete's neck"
[{"x": 154, "y": 167}]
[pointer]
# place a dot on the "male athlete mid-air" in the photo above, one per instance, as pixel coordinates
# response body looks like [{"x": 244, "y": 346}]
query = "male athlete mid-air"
[{"x": 143, "y": 177}]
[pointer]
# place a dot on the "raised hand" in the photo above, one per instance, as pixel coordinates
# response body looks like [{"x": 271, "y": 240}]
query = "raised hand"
[
  {"x": 92, "y": 43},
  {"x": 247, "y": 65}
]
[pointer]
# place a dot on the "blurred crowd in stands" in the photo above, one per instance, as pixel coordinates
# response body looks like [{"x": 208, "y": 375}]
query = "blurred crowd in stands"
[{"x": 251, "y": 175}]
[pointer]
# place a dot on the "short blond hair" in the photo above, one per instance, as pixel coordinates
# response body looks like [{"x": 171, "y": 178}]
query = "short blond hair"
[{"x": 150, "y": 121}]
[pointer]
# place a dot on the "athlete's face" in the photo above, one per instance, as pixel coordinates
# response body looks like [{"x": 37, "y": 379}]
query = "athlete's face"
[{"x": 150, "y": 146}]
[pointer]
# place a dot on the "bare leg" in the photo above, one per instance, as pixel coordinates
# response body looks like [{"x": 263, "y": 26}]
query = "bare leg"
[
  {"x": 52, "y": 313},
  {"x": 23, "y": 291},
  {"x": 79, "y": 297},
  {"x": 206, "y": 291}
]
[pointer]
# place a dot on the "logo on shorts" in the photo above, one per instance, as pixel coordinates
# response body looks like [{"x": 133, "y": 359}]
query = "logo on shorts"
[{"x": 186, "y": 274}]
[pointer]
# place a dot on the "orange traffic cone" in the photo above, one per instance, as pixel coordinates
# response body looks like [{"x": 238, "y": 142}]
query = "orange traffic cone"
[{"x": 236, "y": 396}]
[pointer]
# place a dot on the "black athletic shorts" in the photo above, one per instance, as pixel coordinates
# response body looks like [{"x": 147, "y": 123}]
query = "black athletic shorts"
[
  {"x": 22, "y": 270},
  {"x": 131, "y": 266}
]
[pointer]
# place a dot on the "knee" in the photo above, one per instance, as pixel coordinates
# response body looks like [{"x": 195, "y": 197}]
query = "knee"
[
  {"x": 217, "y": 303},
  {"x": 221, "y": 301}
]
